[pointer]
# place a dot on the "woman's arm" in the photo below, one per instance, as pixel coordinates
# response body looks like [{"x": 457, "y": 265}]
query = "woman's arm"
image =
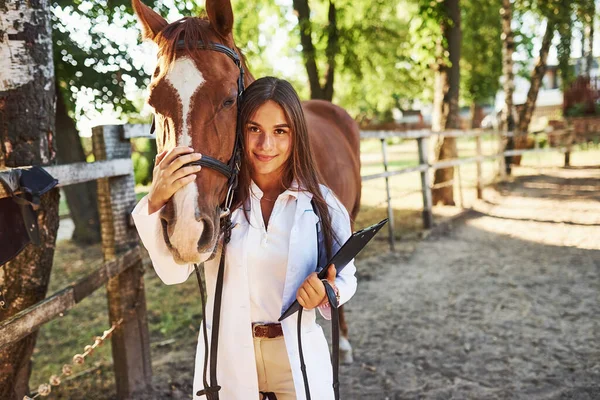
[
  {"x": 150, "y": 231},
  {"x": 168, "y": 176}
]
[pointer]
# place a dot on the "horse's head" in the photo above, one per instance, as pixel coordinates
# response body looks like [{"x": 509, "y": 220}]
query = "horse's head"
[{"x": 194, "y": 93}]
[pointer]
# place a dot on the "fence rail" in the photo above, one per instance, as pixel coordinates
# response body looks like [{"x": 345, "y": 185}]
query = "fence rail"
[
  {"x": 22, "y": 324},
  {"x": 424, "y": 166},
  {"x": 71, "y": 174}
]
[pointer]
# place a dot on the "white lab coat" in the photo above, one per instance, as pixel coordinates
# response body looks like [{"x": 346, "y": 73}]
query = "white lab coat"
[{"x": 236, "y": 368}]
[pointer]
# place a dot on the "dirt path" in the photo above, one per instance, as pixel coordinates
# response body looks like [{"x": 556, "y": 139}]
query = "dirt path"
[{"x": 503, "y": 305}]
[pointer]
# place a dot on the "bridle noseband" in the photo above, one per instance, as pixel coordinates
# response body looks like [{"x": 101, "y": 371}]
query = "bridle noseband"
[{"x": 232, "y": 168}]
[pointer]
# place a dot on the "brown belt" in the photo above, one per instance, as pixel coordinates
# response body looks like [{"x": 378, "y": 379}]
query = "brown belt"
[{"x": 267, "y": 330}]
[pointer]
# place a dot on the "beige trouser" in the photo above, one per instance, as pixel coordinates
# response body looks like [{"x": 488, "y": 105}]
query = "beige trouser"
[{"x": 273, "y": 368}]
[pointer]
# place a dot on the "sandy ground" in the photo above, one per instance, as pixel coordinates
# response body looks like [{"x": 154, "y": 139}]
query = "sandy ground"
[{"x": 501, "y": 305}]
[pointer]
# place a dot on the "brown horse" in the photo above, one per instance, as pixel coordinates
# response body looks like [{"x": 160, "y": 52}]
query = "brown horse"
[{"x": 193, "y": 94}]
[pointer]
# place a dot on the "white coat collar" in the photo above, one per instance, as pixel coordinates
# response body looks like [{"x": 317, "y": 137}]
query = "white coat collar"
[{"x": 293, "y": 190}]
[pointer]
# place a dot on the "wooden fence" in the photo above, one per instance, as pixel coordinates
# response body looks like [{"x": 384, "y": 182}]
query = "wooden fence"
[
  {"x": 425, "y": 166},
  {"x": 122, "y": 269}
]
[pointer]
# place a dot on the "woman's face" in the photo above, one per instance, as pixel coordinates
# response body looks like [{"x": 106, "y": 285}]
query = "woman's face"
[{"x": 269, "y": 142}]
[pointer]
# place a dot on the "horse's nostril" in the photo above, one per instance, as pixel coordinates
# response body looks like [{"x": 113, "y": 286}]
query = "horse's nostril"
[{"x": 207, "y": 234}]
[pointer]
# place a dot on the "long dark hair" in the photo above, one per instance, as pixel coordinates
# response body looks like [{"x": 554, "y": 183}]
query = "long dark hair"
[{"x": 301, "y": 164}]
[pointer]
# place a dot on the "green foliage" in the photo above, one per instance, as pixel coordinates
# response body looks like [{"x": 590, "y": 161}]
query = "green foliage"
[
  {"x": 481, "y": 53},
  {"x": 385, "y": 56},
  {"x": 142, "y": 156},
  {"x": 582, "y": 110},
  {"x": 577, "y": 110},
  {"x": 94, "y": 59},
  {"x": 581, "y": 11},
  {"x": 563, "y": 49},
  {"x": 140, "y": 168},
  {"x": 373, "y": 57},
  {"x": 91, "y": 58},
  {"x": 375, "y": 70},
  {"x": 481, "y": 48}
]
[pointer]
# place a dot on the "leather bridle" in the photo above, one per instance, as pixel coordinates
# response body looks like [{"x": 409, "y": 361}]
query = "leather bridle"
[
  {"x": 232, "y": 168},
  {"x": 230, "y": 171}
]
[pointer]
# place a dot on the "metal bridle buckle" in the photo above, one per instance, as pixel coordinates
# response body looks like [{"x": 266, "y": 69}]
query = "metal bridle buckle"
[
  {"x": 228, "y": 201},
  {"x": 225, "y": 213}
]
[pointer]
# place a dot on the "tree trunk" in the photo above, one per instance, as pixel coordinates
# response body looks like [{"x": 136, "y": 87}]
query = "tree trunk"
[
  {"x": 27, "y": 113},
  {"x": 317, "y": 91},
  {"x": 508, "y": 48},
  {"x": 81, "y": 198},
  {"x": 536, "y": 82},
  {"x": 331, "y": 51},
  {"x": 446, "y": 110},
  {"x": 476, "y": 115},
  {"x": 582, "y": 61}
]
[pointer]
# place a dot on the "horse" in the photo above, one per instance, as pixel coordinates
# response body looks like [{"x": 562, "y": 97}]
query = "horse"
[{"x": 193, "y": 94}]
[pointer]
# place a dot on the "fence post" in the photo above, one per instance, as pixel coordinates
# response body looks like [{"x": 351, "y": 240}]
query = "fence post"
[
  {"x": 536, "y": 147},
  {"x": 389, "y": 198},
  {"x": 568, "y": 152},
  {"x": 125, "y": 292},
  {"x": 479, "y": 171},
  {"x": 501, "y": 159},
  {"x": 460, "y": 186},
  {"x": 425, "y": 186}
]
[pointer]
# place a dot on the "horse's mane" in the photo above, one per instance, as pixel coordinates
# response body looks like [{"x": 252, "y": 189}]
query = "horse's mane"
[{"x": 189, "y": 29}]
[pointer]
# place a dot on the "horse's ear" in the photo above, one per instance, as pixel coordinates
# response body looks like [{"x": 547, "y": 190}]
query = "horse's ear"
[
  {"x": 220, "y": 16},
  {"x": 151, "y": 21}
]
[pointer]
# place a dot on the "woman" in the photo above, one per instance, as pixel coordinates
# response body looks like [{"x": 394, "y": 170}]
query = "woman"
[{"x": 272, "y": 254}]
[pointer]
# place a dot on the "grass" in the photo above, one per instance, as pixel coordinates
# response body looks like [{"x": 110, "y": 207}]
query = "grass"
[{"x": 174, "y": 311}]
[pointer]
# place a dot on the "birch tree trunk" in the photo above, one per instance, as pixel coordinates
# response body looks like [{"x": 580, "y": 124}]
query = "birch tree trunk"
[
  {"x": 536, "y": 81},
  {"x": 446, "y": 110},
  {"x": 27, "y": 113}
]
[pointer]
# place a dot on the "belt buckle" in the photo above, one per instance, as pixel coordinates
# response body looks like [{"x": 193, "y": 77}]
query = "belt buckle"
[{"x": 259, "y": 330}]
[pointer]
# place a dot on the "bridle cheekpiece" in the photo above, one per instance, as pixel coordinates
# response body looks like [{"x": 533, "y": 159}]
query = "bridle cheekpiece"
[{"x": 230, "y": 169}]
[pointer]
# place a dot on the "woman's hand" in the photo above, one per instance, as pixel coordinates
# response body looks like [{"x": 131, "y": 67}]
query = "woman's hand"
[
  {"x": 168, "y": 176},
  {"x": 312, "y": 292}
]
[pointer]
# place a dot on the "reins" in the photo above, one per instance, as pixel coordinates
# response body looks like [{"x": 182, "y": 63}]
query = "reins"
[{"x": 335, "y": 321}]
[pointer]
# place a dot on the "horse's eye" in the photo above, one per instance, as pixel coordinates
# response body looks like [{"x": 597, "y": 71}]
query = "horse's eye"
[
  {"x": 228, "y": 102},
  {"x": 156, "y": 72}
]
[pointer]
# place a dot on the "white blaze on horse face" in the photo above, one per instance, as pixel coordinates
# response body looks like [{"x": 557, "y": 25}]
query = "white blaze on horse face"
[{"x": 186, "y": 79}]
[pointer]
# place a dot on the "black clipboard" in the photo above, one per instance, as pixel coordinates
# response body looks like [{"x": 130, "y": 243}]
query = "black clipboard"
[{"x": 345, "y": 254}]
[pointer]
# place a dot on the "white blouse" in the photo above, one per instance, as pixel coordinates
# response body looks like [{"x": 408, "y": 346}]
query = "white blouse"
[{"x": 268, "y": 258}]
